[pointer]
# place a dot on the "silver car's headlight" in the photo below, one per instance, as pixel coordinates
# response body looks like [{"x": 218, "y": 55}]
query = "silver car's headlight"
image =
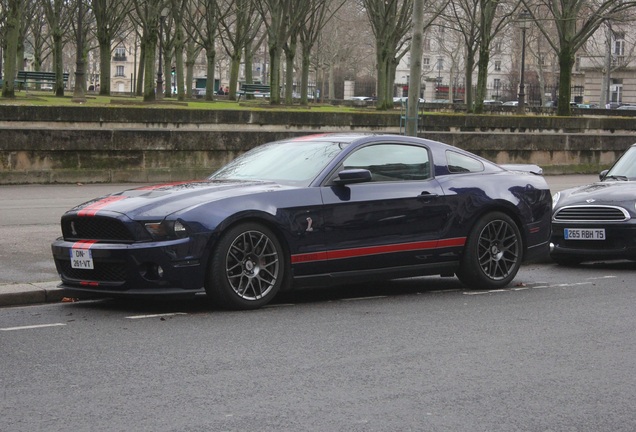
[{"x": 555, "y": 199}]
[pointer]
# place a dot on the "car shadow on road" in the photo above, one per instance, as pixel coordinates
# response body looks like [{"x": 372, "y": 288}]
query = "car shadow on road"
[{"x": 200, "y": 304}]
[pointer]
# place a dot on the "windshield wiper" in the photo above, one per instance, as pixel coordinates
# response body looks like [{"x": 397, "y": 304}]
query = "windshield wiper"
[{"x": 616, "y": 177}]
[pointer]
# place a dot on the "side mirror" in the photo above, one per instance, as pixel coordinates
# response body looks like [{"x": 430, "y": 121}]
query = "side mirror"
[
  {"x": 602, "y": 175},
  {"x": 353, "y": 176}
]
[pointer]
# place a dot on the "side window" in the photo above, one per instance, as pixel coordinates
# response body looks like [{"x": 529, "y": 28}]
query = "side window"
[
  {"x": 391, "y": 162},
  {"x": 460, "y": 163}
]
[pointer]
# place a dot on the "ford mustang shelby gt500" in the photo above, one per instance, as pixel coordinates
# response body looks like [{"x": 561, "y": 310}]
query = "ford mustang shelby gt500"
[{"x": 308, "y": 211}]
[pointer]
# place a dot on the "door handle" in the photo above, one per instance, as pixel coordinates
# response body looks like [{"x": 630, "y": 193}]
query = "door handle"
[{"x": 427, "y": 196}]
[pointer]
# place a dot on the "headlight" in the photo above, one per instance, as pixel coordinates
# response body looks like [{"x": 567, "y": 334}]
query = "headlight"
[
  {"x": 555, "y": 199},
  {"x": 166, "y": 229}
]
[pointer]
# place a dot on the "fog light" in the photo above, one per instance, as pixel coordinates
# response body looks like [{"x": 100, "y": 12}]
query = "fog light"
[{"x": 151, "y": 271}]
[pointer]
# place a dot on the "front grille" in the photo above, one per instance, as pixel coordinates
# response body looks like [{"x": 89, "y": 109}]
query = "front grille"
[
  {"x": 103, "y": 272},
  {"x": 95, "y": 228},
  {"x": 592, "y": 214}
]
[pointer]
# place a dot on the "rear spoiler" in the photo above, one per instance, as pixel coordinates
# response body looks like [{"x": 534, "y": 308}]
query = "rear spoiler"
[{"x": 529, "y": 168}]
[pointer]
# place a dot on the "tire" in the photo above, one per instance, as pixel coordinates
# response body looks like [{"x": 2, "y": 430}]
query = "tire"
[
  {"x": 493, "y": 253},
  {"x": 247, "y": 268}
]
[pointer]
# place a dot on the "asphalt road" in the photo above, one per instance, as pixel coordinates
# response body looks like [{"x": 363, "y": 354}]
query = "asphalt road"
[{"x": 554, "y": 352}]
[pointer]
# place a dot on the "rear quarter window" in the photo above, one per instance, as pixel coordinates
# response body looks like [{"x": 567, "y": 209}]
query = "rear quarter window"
[{"x": 461, "y": 163}]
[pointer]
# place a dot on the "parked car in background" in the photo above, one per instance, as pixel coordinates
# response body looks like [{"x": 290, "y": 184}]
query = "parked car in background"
[
  {"x": 492, "y": 102},
  {"x": 626, "y": 107},
  {"x": 511, "y": 103},
  {"x": 310, "y": 211},
  {"x": 403, "y": 99},
  {"x": 598, "y": 220}
]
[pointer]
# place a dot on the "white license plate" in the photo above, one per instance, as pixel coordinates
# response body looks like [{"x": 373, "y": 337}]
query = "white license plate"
[
  {"x": 584, "y": 234},
  {"x": 81, "y": 259}
]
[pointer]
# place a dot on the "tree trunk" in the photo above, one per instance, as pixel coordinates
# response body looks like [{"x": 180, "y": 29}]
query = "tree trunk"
[
  {"x": 274, "y": 74},
  {"x": 12, "y": 30},
  {"x": 468, "y": 89},
  {"x": 149, "y": 43},
  {"x": 304, "y": 80},
  {"x": 58, "y": 62},
  {"x": 566, "y": 62},
  {"x": 235, "y": 65},
  {"x": 141, "y": 69},
  {"x": 210, "y": 55},
  {"x": 104, "y": 65},
  {"x": 289, "y": 77},
  {"x": 482, "y": 78}
]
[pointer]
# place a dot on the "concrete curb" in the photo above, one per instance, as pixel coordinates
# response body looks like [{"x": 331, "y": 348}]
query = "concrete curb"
[{"x": 30, "y": 293}]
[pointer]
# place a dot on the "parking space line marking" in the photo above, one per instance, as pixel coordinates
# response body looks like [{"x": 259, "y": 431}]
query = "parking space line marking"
[
  {"x": 363, "y": 298},
  {"x": 32, "y": 327},
  {"x": 155, "y": 315}
]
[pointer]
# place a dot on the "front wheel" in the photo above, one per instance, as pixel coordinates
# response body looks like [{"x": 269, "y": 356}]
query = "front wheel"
[
  {"x": 493, "y": 253},
  {"x": 247, "y": 268}
]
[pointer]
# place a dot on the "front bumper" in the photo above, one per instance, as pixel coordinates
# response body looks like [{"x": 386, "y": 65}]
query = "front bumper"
[
  {"x": 171, "y": 267},
  {"x": 619, "y": 243}
]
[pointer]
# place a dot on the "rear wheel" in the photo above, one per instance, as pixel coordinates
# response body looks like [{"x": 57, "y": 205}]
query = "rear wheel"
[
  {"x": 247, "y": 268},
  {"x": 493, "y": 253}
]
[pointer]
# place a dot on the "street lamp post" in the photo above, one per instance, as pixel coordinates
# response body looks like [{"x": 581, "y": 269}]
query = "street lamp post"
[
  {"x": 159, "y": 92},
  {"x": 524, "y": 24},
  {"x": 440, "y": 65}
]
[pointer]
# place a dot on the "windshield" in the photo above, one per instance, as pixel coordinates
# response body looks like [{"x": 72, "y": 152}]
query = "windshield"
[
  {"x": 625, "y": 167},
  {"x": 295, "y": 163}
]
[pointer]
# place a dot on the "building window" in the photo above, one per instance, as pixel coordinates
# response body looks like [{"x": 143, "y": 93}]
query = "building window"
[
  {"x": 619, "y": 47},
  {"x": 498, "y": 66},
  {"x": 427, "y": 44},
  {"x": 497, "y": 47},
  {"x": 426, "y": 61},
  {"x": 120, "y": 54},
  {"x": 120, "y": 71}
]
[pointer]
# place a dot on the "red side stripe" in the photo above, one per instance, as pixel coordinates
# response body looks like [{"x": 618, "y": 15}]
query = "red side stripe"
[
  {"x": 92, "y": 209},
  {"x": 375, "y": 250}
]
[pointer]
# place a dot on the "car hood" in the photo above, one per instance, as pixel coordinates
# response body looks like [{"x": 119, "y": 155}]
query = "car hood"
[
  {"x": 158, "y": 201},
  {"x": 607, "y": 192}
]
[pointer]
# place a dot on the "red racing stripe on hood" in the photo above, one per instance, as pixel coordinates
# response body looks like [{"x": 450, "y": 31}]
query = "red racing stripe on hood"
[{"x": 92, "y": 209}]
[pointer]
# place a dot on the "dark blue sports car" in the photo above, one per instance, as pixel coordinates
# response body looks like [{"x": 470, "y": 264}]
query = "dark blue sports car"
[{"x": 310, "y": 211}]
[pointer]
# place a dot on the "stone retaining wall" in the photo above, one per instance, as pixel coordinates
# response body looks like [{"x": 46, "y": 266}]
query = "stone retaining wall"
[{"x": 80, "y": 144}]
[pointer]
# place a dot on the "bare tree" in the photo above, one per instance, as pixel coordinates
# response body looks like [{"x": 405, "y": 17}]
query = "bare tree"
[
  {"x": 58, "y": 16},
  {"x": 240, "y": 27},
  {"x": 321, "y": 12},
  {"x": 111, "y": 18},
  {"x": 494, "y": 16},
  {"x": 203, "y": 17},
  {"x": 281, "y": 18},
  {"x": 391, "y": 22},
  {"x": 575, "y": 21},
  {"x": 148, "y": 13},
  {"x": 14, "y": 10},
  {"x": 39, "y": 37}
]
